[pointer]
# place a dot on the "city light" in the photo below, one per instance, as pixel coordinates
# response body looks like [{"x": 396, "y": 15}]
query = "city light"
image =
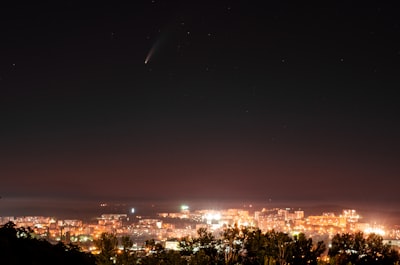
[
  {"x": 212, "y": 216},
  {"x": 375, "y": 230},
  {"x": 174, "y": 225}
]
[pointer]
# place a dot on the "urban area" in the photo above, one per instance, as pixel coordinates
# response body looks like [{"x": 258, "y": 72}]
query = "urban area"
[{"x": 167, "y": 228}]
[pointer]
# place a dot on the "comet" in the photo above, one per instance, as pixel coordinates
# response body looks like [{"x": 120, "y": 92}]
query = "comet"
[
  {"x": 150, "y": 53},
  {"x": 157, "y": 45},
  {"x": 148, "y": 57}
]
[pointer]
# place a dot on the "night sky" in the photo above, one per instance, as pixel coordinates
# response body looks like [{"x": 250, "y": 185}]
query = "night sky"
[{"x": 200, "y": 100}]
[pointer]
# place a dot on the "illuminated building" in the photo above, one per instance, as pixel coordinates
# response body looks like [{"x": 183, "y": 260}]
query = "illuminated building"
[
  {"x": 186, "y": 224},
  {"x": 327, "y": 219},
  {"x": 279, "y": 219},
  {"x": 172, "y": 245}
]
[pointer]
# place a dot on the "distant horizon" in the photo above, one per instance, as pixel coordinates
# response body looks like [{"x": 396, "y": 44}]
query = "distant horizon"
[{"x": 90, "y": 208}]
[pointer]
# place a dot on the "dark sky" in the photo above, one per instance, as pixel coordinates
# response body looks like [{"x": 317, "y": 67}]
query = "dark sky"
[{"x": 238, "y": 101}]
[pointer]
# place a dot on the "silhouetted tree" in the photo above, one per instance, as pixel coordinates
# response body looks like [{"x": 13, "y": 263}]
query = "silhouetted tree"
[
  {"x": 346, "y": 248},
  {"x": 172, "y": 258},
  {"x": 356, "y": 249},
  {"x": 163, "y": 257},
  {"x": 126, "y": 257},
  {"x": 305, "y": 252},
  {"x": 277, "y": 247},
  {"x": 255, "y": 247},
  {"x": 233, "y": 243},
  {"x": 203, "y": 249},
  {"x": 186, "y": 246},
  {"x": 107, "y": 245},
  {"x": 19, "y": 246},
  {"x": 207, "y": 242},
  {"x": 284, "y": 245},
  {"x": 199, "y": 258},
  {"x": 376, "y": 252},
  {"x": 152, "y": 246}
]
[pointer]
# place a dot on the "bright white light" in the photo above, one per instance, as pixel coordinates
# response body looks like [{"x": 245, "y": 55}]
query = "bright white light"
[
  {"x": 213, "y": 216},
  {"x": 132, "y": 210},
  {"x": 375, "y": 230}
]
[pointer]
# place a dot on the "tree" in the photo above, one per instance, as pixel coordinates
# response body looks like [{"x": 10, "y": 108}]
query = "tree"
[
  {"x": 199, "y": 258},
  {"x": 163, "y": 258},
  {"x": 207, "y": 242},
  {"x": 233, "y": 243},
  {"x": 255, "y": 247},
  {"x": 346, "y": 248},
  {"x": 376, "y": 252},
  {"x": 202, "y": 249},
  {"x": 305, "y": 252},
  {"x": 357, "y": 249},
  {"x": 19, "y": 246},
  {"x": 126, "y": 257},
  {"x": 172, "y": 258},
  {"x": 107, "y": 245},
  {"x": 284, "y": 245},
  {"x": 186, "y": 246},
  {"x": 205, "y": 238},
  {"x": 152, "y": 246}
]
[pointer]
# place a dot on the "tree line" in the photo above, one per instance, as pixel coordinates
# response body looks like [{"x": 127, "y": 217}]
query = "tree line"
[{"x": 247, "y": 246}]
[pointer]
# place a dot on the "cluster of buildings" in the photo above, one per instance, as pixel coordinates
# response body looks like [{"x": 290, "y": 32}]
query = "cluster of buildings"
[{"x": 167, "y": 227}]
